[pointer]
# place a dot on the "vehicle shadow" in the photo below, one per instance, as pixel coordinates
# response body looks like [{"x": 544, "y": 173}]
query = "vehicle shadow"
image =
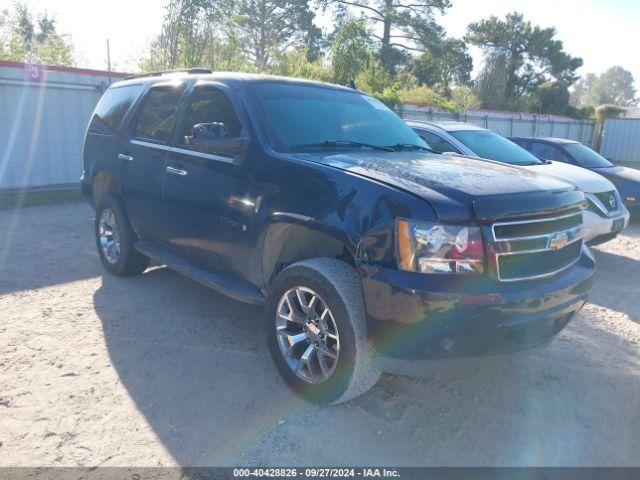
[
  {"x": 196, "y": 365},
  {"x": 612, "y": 280},
  {"x": 194, "y": 362}
]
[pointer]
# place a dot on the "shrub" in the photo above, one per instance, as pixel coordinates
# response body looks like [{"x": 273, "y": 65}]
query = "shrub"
[
  {"x": 427, "y": 96},
  {"x": 608, "y": 111},
  {"x": 296, "y": 64},
  {"x": 463, "y": 98}
]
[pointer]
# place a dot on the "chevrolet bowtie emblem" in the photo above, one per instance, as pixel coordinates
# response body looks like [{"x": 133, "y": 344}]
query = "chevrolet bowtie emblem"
[{"x": 558, "y": 240}]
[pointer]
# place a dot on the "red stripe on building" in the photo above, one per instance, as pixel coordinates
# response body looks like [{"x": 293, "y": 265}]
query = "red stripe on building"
[{"x": 60, "y": 68}]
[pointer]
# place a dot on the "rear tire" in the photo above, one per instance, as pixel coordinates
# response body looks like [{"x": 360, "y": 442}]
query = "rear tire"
[
  {"x": 115, "y": 239},
  {"x": 325, "y": 356}
]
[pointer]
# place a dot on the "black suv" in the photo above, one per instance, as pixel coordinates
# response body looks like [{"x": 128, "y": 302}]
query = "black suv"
[{"x": 369, "y": 251}]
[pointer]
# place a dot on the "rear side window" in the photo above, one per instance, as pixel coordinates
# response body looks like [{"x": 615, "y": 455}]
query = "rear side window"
[
  {"x": 209, "y": 105},
  {"x": 547, "y": 152},
  {"x": 156, "y": 114},
  {"x": 436, "y": 142},
  {"x": 490, "y": 145},
  {"x": 112, "y": 107}
]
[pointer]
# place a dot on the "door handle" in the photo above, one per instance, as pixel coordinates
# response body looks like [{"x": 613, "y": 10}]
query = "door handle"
[
  {"x": 125, "y": 158},
  {"x": 176, "y": 171}
]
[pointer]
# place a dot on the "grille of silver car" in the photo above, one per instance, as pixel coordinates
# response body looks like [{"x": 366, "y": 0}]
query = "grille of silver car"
[
  {"x": 604, "y": 203},
  {"x": 537, "y": 248}
]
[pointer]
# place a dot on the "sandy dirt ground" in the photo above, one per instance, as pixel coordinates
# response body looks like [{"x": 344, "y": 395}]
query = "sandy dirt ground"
[{"x": 156, "y": 370}]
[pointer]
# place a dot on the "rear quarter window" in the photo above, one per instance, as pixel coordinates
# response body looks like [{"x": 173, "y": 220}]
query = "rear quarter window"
[
  {"x": 112, "y": 108},
  {"x": 157, "y": 113}
]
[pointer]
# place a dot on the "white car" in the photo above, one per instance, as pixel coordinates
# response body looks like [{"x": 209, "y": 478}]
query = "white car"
[{"x": 605, "y": 216}]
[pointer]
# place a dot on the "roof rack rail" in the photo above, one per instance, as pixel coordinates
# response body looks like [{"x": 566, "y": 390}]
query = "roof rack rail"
[{"x": 164, "y": 72}]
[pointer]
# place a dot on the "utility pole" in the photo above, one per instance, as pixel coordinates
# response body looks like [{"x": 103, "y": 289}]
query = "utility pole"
[{"x": 109, "y": 61}]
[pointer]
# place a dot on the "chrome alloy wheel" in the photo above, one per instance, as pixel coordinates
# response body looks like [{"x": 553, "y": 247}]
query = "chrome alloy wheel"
[
  {"x": 109, "y": 235},
  {"x": 307, "y": 335}
]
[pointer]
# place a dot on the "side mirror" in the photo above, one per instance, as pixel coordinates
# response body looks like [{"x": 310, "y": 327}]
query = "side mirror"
[
  {"x": 208, "y": 131},
  {"x": 212, "y": 138}
]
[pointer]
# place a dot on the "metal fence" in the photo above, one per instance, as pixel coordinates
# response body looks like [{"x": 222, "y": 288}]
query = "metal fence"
[
  {"x": 621, "y": 141},
  {"x": 510, "y": 124},
  {"x": 43, "y": 115}
]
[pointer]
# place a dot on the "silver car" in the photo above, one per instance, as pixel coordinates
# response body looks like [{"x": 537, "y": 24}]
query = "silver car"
[{"x": 605, "y": 216}]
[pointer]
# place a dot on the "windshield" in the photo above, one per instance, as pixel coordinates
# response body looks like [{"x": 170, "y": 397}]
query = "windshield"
[
  {"x": 585, "y": 157},
  {"x": 490, "y": 145},
  {"x": 301, "y": 117}
]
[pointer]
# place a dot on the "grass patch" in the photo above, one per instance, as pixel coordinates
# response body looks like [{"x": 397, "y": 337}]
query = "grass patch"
[{"x": 30, "y": 198}]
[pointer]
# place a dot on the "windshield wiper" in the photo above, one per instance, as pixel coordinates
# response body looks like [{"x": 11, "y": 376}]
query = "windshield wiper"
[
  {"x": 412, "y": 146},
  {"x": 342, "y": 143}
]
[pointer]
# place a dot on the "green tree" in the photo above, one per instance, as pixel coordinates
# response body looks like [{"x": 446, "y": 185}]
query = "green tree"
[
  {"x": 405, "y": 25},
  {"x": 424, "y": 95},
  {"x": 553, "y": 98},
  {"x": 296, "y": 63},
  {"x": 196, "y": 33},
  {"x": 25, "y": 40},
  {"x": 615, "y": 86},
  {"x": 448, "y": 63},
  {"x": 531, "y": 54},
  {"x": 490, "y": 86},
  {"x": 464, "y": 98},
  {"x": 350, "y": 51},
  {"x": 270, "y": 27},
  {"x": 376, "y": 81}
]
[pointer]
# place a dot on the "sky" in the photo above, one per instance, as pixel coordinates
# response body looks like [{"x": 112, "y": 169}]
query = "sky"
[{"x": 603, "y": 33}]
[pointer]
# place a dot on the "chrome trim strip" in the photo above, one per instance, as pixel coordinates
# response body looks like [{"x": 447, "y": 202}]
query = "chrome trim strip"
[
  {"x": 538, "y": 220},
  {"x": 597, "y": 203},
  {"x": 183, "y": 151},
  {"x": 208, "y": 156},
  {"x": 538, "y": 250},
  {"x": 525, "y": 222},
  {"x": 151, "y": 145},
  {"x": 533, "y": 237}
]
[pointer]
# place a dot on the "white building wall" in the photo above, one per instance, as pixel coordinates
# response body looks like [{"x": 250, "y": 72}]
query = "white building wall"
[
  {"x": 42, "y": 125},
  {"x": 621, "y": 141}
]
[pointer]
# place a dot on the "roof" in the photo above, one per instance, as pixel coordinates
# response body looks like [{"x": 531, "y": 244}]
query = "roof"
[
  {"x": 555, "y": 140},
  {"x": 447, "y": 126},
  {"x": 62, "y": 68},
  {"x": 631, "y": 113},
  {"x": 235, "y": 77}
]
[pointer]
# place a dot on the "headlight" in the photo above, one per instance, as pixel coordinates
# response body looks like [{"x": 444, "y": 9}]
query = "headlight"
[{"x": 436, "y": 248}]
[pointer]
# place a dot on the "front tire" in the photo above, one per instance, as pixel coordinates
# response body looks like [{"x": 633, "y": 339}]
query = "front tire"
[
  {"x": 317, "y": 331},
  {"x": 115, "y": 239}
]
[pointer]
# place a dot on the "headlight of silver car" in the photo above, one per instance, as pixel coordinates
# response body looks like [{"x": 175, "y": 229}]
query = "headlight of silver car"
[{"x": 436, "y": 248}]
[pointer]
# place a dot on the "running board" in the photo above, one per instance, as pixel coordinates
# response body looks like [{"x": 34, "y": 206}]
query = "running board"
[{"x": 231, "y": 287}]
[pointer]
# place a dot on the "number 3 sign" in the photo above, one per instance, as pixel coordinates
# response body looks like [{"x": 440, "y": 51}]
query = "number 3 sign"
[{"x": 34, "y": 72}]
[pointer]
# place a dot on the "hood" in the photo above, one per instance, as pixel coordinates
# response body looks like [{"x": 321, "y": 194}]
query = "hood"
[
  {"x": 459, "y": 188},
  {"x": 584, "y": 179},
  {"x": 623, "y": 173},
  {"x": 626, "y": 180}
]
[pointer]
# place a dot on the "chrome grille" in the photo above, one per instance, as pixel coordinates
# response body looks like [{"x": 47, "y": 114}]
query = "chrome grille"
[
  {"x": 605, "y": 203},
  {"x": 537, "y": 248}
]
